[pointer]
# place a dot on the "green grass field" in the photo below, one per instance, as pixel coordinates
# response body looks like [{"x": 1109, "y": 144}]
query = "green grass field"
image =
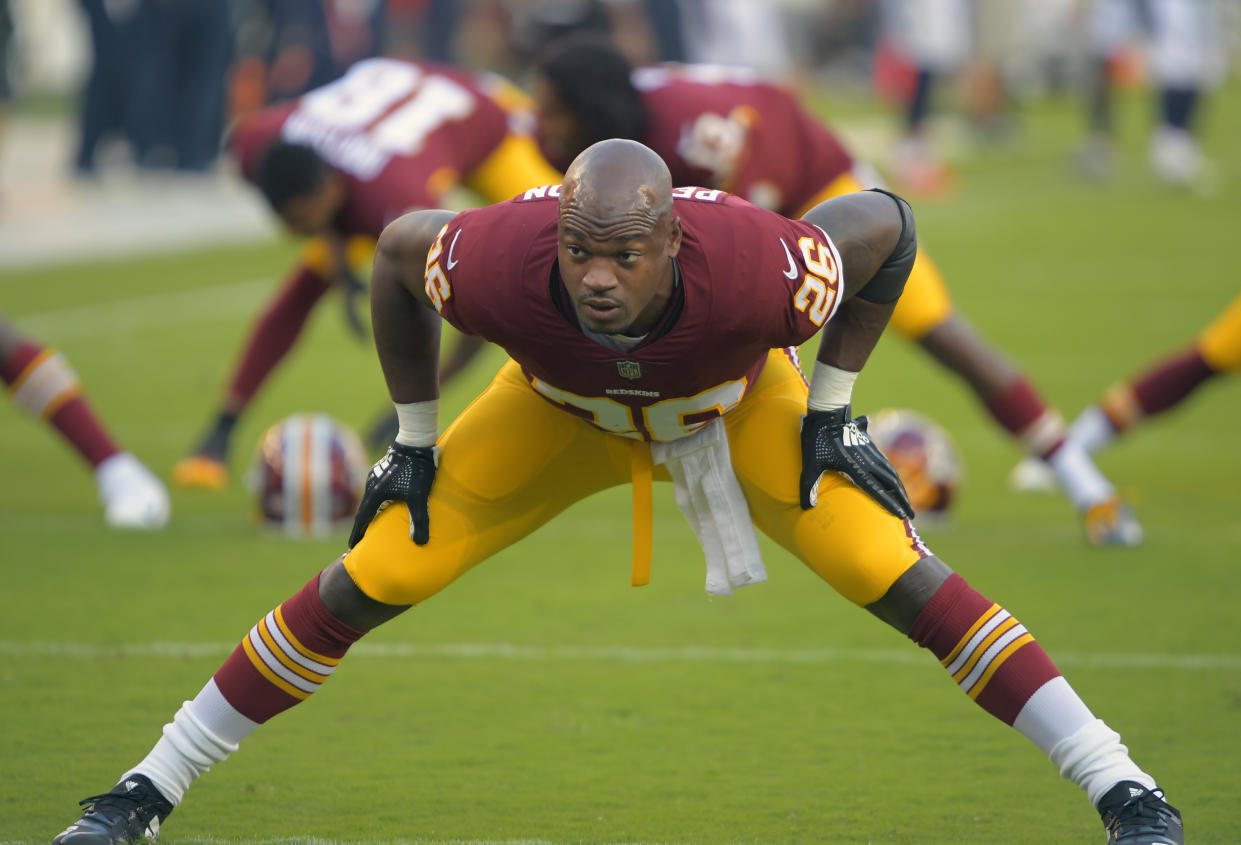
[{"x": 542, "y": 699}]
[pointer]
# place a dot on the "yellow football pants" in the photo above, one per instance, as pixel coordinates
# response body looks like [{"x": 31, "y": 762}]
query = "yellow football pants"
[
  {"x": 925, "y": 303},
  {"x": 511, "y": 461},
  {"x": 1220, "y": 342}
]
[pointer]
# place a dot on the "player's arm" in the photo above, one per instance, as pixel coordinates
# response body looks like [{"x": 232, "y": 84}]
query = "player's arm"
[
  {"x": 405, "y": 324},
  {"x": 407, "y": 334},
  {"x": 874, "y": 234}
]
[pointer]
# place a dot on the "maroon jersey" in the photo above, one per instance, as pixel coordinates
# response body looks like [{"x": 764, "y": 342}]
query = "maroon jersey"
[
  {"x": 749, "y": 281},
  {"x": 726, "y": 128},
  {"x": 400, "y": 132}
]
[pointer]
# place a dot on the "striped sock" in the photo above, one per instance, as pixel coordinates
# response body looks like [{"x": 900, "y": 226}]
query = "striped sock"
[
  {"x": 997, "y": 663},
  {"x": 1024, "y": 414},
  {"x": 285, "y": 657},
  {"x": 986, "y": 651},
  {"x": 44, "y": 384}
]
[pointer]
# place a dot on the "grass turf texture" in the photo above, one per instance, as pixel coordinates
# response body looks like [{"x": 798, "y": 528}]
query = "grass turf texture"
[{"x": 541, "y": 698}]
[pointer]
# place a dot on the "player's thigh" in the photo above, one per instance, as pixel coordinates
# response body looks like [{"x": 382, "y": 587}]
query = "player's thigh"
[
  {"x": 847, "y": 539},
  {"x": 1220, "y": 342},
  {"x": 513, "y": 167},
  {"x": 510, "y": 462},
  {"x": 925, "y": 302}
]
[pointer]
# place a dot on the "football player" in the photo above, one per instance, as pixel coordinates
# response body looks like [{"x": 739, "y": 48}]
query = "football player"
[
  {"x": 1185, "y": 59},
  {"x": 44, "y": 385},
  {"x": 1159, "y": 388},
  {"x": 652, "y": 334},
  {"x": 339, "y": 164},
  {"x": 726, "y": 128}
]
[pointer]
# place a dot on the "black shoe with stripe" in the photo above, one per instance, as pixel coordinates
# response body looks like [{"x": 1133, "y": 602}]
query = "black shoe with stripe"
[
  {"x": 1135, "y": 815},
  {"x": 131, "y": 812}
]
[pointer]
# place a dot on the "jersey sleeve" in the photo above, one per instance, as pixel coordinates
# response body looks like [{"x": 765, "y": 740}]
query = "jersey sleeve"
[
  {"x": 799, "y": 277},
  {"x": 481, "y": 261}
]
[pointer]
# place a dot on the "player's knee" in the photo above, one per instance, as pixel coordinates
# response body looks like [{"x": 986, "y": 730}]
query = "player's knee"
[
  {"x": 909, "y": 594},
  {"x": 345, "y": 600}
]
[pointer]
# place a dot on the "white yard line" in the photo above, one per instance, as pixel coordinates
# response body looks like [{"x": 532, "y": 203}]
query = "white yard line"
[
  {"x": 315, "y": 841},
  {"x": 139, "y": 312},
  {"x": 608, "y": 654}
]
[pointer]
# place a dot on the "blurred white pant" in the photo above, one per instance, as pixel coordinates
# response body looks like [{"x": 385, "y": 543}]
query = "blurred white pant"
[
  {"x": 932, "y": 34},
  {"x": 1184, "y": 49}
]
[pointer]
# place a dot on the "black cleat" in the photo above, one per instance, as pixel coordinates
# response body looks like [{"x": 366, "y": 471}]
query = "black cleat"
[
  {"x": 130, "y": 813},
  {"x": 1135, "y": 815}
]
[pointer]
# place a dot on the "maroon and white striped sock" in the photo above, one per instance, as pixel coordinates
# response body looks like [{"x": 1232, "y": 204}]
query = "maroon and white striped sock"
[{"x": 285, "y": 657}]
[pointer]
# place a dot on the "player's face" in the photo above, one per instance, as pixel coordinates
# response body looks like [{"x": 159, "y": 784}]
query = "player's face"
[
  {"x": 619, "y": 284},
  {"x": 558, "y": 126},
  {"x": 312, "y": 213}
]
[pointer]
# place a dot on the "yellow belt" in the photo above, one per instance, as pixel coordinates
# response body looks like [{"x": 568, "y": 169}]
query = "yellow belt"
[{"x": 641, "y": 468}]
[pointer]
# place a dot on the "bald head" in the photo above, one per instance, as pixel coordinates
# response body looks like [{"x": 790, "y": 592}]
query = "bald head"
[
  {"x": 616, "y": 188},
  {"x": 617, "y": 237}
]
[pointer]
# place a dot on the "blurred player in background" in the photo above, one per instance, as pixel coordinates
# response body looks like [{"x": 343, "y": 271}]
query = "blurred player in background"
[
  {"x": 1159, "y": 388},
  {"x": 337, "y": 166},
  {"x": 44, "y": 385},
  {"x": 933, "y": 40},
  {"x": 725, "y": 128},
  {"x": 1184, "y": 61}
]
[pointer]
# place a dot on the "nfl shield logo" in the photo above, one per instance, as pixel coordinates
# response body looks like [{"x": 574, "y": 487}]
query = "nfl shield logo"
[{"x": 629, "y": 369}]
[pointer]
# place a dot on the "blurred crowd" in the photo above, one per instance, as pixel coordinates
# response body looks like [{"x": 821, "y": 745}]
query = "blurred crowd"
[{"x": 162, "y": 79}]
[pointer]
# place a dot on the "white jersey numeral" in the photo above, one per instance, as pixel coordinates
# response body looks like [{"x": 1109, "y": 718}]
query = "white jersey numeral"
[{"x": 379, "y": 109}]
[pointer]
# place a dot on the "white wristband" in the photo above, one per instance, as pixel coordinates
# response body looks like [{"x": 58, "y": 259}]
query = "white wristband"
[
  {"x": 830, "y": 388},
  {"x": 419, "y": 422}
]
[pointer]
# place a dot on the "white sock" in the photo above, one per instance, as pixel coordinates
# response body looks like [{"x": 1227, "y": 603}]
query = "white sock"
[
  {"x": 1092, "y": 430},
  {"x": 1078, "y": 476},
  {"x": 1052, "y": 714},
  {"x": 203, "y": 732},
  {"x": 1094, "y": 759}
]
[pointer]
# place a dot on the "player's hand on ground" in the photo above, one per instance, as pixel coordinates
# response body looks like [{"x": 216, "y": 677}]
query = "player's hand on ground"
[
  {"x": 404, "y": 474},
  {"x": 832, "y": 440}
]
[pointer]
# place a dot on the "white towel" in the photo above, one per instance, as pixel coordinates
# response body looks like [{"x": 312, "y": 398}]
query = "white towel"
[{"x": 710, "y": 496}]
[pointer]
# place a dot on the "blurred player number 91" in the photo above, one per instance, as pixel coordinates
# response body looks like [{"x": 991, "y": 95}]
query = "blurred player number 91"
[{"x": 398, "y": 106}]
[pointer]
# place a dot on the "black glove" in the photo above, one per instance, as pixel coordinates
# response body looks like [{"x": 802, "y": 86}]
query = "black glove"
[
  {"x": 404, "y": 474},
  {"x": 832, "y": 440}
]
